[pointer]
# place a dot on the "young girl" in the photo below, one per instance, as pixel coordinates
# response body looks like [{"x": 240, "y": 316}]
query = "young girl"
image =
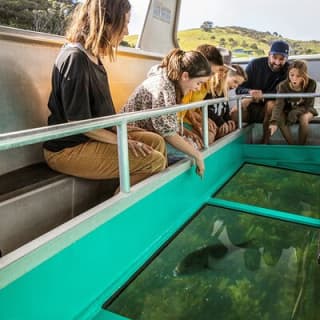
[
  {"x": 288, "y": 111},
  {"x": 179, "y": 73},
  {"x": 80, "y": 90},
  {"x": 220, "y": 113}
]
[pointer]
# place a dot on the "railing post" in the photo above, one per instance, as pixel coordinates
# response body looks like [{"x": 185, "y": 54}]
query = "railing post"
[
  {"x": 205, "y": 133},
  {"x": 239, "y": 113},
  {"x": 123, "y": 155}
]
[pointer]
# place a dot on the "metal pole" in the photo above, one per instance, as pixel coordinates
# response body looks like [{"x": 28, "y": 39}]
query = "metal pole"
[
  {"x": 123, "y": 155},
  {"x": 239, "y": 113},
  {"x": 205, "y": 126}
]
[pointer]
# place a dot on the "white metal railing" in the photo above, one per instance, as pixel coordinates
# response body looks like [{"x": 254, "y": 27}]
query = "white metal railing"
[
  {"x": 30, "y": 136},
  {"x": 25, "y": 137},
  {"x": 238, "y": 99}
]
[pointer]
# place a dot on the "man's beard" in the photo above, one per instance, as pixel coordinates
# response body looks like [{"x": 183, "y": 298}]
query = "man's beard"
[{"x": 274, "y": 67}]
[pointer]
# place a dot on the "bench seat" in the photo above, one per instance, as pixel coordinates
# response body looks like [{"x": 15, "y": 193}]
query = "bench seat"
[
  {"x": 36, "y": 199},
  {"x": 27, "y": 178}
]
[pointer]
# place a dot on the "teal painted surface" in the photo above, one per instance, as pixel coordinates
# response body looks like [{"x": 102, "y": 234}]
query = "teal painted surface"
[
  {"x": 74, "y": 283},
  {"x": 281, "y": 215},
  {"x": 106, "y": 315},
  {"x": 305, "y": 158}
]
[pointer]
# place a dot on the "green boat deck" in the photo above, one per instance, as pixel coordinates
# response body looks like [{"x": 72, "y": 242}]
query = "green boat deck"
[{"x": 83, "y": 263}]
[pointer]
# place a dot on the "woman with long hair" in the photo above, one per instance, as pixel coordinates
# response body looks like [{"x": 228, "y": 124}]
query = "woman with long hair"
[
  {"x": 167, "y": 83},
  {"x": 80, "y": 90}
]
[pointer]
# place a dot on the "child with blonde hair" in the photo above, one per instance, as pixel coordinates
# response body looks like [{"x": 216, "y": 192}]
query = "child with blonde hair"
[
  {"x": 288, "y": 111},
  {"x": 219, "y": 88}
]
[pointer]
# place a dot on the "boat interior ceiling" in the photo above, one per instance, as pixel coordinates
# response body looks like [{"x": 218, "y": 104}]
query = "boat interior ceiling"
[{"x": 39, "y": 205}]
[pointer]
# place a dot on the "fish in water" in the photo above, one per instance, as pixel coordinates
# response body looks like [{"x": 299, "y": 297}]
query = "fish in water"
[{"x": 204, "y": 258}]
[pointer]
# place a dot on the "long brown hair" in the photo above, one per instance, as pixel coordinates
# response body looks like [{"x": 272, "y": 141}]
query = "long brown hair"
[
  {"x": 178, "y": 61},
  {"x": 301, "y": 66},
  {"x": 98, "y": 25},
  {"x": 212, "y": 54}
]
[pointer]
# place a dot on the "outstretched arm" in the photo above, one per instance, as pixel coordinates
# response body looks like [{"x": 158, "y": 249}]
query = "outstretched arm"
[{"x": 179, "y": 143}]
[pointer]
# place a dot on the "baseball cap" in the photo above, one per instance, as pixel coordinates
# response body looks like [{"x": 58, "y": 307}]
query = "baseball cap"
[{"x": 279, "y": 47}]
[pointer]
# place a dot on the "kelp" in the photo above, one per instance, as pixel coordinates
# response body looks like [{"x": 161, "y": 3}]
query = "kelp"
[{"x": 261, "y": 281}]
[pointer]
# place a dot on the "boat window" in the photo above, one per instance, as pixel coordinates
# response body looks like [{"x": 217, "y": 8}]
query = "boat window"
[
  {"x": 248, "y": 27},
  {"x": 231, "y": 265},
  {"x": 52, "y": 16},
  {"x": 41, "y": 16},
  {"x": 138, "y": 13},
  {"x": 274, "y": 188}
]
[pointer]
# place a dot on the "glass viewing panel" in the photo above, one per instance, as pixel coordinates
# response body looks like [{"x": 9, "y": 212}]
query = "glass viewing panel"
[
  {"x": 229, "y": 265},
  {"x": 274, "y": 188}
]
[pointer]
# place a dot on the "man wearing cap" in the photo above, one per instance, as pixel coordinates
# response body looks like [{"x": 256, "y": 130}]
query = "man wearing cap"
[{"x": 264, "y": 74}]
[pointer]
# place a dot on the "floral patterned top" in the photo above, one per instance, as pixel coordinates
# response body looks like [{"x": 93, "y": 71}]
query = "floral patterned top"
[{"x": 157, "y": 91}]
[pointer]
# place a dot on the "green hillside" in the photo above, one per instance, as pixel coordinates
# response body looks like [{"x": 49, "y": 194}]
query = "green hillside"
[{"x": 242, "y": 41}]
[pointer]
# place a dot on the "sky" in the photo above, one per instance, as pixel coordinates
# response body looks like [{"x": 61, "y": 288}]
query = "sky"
[{"x": 296, "y": 20}]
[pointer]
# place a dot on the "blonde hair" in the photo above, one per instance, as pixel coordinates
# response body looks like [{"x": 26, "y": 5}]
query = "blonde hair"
[
  {"x": 218, "y": 88},
  {"x": 301, "y": 66},
  {"x": 98, "y": 25}
]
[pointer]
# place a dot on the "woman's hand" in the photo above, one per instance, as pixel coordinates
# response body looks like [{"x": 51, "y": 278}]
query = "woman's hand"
[
  {"x": 223, "y": 130},
  {"x": 212, "y": 131},
  {"x": 212, "y": 125},
  {"x": 256, "y": 95},
  {"x": 139, "y": 148},
  {"x": 179, "y": 143},
  {"x": 231, "y": 125},
  {"x": 198, "y": 129},
  {"x": 272, "y": 129},
  {"x": 194, "y": 117},
  {"x": 200, "y": 165},
  {"x": 195, "y": 138},
  {"x": 131, "y": 128},
  {"x": 212, "y": 136}
]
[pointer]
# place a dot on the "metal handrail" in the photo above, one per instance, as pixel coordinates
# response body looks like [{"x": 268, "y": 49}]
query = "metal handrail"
[
  {"x": 238, "y": 99},
  {"x": 30, "y": 136},
  {"x": 35, "y": 135}
]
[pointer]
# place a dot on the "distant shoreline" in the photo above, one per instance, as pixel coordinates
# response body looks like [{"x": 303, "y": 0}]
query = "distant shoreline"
[{"x": 243, "y": 42}]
